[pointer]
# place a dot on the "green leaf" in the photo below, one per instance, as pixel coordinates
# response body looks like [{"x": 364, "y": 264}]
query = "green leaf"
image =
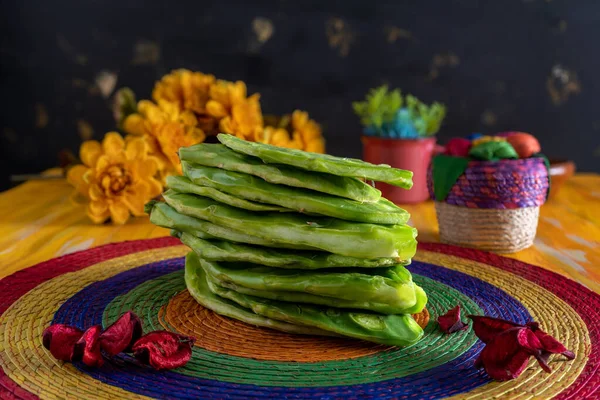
[
  {"x": 379, "y": 106},
  {"x": 124, "y": 104},
  {"x": 446, "y": 171}
]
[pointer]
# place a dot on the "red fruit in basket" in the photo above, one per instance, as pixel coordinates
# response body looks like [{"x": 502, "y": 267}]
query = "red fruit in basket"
[
  {"x": 524, "y": 144},
  {"x": 451, "y": 322},
  {"x": 458, "y": 147},
  {"x": 60, "y": 340},
  {"x": 87, "y": 348},
  {"x": 122, "y": 334},
  {"x": 163, "y": 349}
]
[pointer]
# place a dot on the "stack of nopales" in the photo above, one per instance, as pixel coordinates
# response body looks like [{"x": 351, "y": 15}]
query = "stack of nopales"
[{"x": 294, "y": 241}]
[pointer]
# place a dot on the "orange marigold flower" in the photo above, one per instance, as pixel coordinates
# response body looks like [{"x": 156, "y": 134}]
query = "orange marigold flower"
[
  {"x": 188, "y": 106},
  {"x": 245, "y": 121},
  {"x": 117, "y": 178},
  {"x": 281, "y": 137},
  {"x": 316, "y": 146},
  {"x": 165, "y": 166},
  {"x": 172, "y": 136},
  {"x": 170, "y": 127},
  {"x": 297, "y": 132},
  {"x": 223, "y": 96},
  {"x": 188, "y": 90}
]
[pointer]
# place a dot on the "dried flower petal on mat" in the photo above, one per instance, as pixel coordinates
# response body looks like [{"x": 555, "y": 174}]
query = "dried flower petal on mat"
[
  {"x": 549, "y": 346},
  {"x": 163, "y": 349},
  {"x": 509, "y": 347},
  {"x": 160, "y": 349},
  {"x": 451, "y": 322},
  {"x": 487, "y": 327},
  {"x": 122, "y": 334},
  {"x": 87, "y": 348},
  {"x": 504, "y": 357},
  {"x": 60, "y": 340}
]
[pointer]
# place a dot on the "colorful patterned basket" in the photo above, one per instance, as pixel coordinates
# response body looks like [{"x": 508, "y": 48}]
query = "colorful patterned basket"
[{"x": 493, "y": 205}]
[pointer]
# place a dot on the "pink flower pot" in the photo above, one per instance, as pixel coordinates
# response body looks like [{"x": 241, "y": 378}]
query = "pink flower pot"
[{"x": 411, "y": 154}]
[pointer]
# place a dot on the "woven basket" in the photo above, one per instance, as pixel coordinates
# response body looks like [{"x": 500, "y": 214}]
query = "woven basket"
[{"x": 494, "y": 205}]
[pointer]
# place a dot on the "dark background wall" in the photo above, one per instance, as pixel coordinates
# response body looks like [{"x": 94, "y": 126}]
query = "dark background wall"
[{"x": 497, "y": 64}]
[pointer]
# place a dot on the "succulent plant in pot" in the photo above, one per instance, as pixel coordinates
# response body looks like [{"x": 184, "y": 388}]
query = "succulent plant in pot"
[{"x": 400, "y": 131}]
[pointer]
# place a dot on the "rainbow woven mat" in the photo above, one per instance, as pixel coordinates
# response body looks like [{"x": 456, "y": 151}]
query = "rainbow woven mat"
[{"x": 233, "y": 360}]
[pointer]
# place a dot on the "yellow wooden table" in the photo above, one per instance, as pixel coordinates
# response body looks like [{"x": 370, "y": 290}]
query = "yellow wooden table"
[{"x": 38, "y": 222}]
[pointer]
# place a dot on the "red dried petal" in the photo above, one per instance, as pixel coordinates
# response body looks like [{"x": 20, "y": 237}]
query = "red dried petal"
[
  {"x": 163, "y": 349},
  {"x": 510, "y": 369},
  {"x": 542, "y": 359},
  {"x": 451, "y": 322},
  {"x": 534, "y": 326},
  {"x": 509, "y": 346},
  {"x": 60, "y": 339},
  {"x": 528, "y": 341},
  {"x": 504, "y": 357},
  {"x": 486, "y": 328},
  {"x": 553, "y": 346},
  {"x": 87, "y": 348},
  {"x": 122, "y": 334}
]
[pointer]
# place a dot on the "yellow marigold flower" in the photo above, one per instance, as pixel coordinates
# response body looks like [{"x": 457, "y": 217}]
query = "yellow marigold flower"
[
  {"x": 245, "y": 121},
  {"x": 170, "y": 127},
  {"x": 189, "y": 105},
  {"x": 117, "y": 177},
  {"x": 307, "y": 128},
  {"x": 164, "y": 164},
  {"x": 281, "y": 137},
  {"x": 297, "y": 132},
  {"x": 172, "y": 136},
  {"x": 186, "y": 89},
  {"x": 223, "y": 96},
  {"x": 316, "y": 145}
]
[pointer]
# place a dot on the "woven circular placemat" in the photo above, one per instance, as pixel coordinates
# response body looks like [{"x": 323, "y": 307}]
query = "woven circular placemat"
[{"x": 235, "y": 360}]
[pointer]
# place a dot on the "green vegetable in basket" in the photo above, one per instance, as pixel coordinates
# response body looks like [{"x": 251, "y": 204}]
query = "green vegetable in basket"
[
  {"x": 493, "y": 150},
  {"x": 329, "y": 234},
  {"x": 320, "y": 162},
  {"x": 217, "y": 250},
  {"x": 162, "y": 214},
  {"x": 252, "y": 188},
  {"x": 394, "y": 330},
  {"x": 392, "y": 286},
  {"x": 220, "y": 156},
  {"x": 197, "y": 285},
  {"x": 183, "y": 185}
]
